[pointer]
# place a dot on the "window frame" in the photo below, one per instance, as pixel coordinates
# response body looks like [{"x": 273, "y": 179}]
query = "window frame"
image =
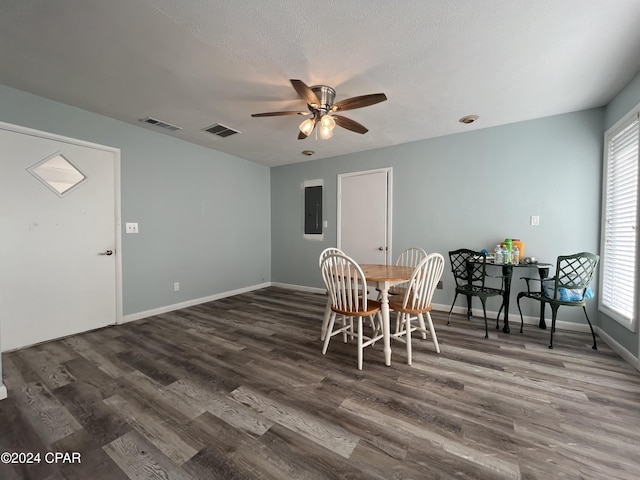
[{"x": 632, "y": 322}]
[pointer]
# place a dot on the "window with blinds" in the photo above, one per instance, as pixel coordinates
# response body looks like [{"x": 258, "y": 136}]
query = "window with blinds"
[{"x": 620, "y": 213}]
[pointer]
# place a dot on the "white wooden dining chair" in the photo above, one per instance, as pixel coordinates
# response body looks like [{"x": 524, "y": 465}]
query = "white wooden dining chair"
[
  {"x": 416, "y": 302},
  {"x": 327, "y": 310},
  {"x": 410, "y": 257},
  {"x": 345, "y": 280}
]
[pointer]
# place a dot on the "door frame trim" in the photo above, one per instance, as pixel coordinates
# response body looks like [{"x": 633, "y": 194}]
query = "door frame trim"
[
  {"x": 116, "y": 194},
  {"x": 389, "y": 230}
]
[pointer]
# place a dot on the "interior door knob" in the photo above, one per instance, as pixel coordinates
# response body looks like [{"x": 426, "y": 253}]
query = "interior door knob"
[
  {"x": 381, "y": 249},
  {"x": 108, "y": 252}
]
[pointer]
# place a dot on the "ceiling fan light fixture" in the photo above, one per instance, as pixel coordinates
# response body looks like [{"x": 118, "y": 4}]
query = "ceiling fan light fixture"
[
  {"x": 327, "y": 121},
  {"x": 326, "y": 132},
  {"x": 306, "y": 126}
]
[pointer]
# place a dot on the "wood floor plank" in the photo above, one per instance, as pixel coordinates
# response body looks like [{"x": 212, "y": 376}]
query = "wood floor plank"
[
  {"x": 139, "y": 459},
  {"x": 11, "y": 374},
  {"x": 502, "y": 467},
  {"x": 225, "y": 455},
  {"x": 154, "y": 430},
  {"x": 45, "y": 413},
  {"x": 153, "y": 400},
  {"x": 227, "y": 409},
  {"x": 18, "y": 434},
  {"x": 330, "y": 436},
  {"x": 186, "y": 405},
  {"x": 177, "y": 360},
  {"x": 325, "y": 404},
  {"x": 85, "y": 403},
  {"x": 147, "y": 364},
  {"x": 87, "y": 350},
  {"x": 318, "y": 462},
  {"x": 94, "y": 463},
  {"x": 86, "y": 372}
]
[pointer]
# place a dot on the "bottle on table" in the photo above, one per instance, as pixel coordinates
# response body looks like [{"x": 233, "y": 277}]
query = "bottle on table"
[
  {"x": 520, "y": 244},
  {"x": 498, "y": 254},
  {"x": 515, "y": 255},
  {"x": 507, "y": 246}
]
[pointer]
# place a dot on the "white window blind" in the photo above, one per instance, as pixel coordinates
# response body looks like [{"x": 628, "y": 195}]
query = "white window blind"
[{"x": 620, "y": 201}]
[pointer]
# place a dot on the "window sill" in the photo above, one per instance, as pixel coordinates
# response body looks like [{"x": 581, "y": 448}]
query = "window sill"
[{"x": 630, "y": 325}]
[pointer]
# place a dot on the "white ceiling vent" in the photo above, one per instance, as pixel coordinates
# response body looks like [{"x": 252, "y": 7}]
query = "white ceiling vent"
[
  {"x": 159, "y": 123},
  {"x": 221, "y": 130}
]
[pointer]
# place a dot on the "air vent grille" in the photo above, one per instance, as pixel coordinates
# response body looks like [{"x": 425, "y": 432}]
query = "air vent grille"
[
  {"x": 221, "y": 130},
  {"x": 159, "y": 123}
]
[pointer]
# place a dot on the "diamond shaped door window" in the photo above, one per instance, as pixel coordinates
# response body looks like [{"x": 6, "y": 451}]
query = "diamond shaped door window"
[{"x": 58, "y": 174}]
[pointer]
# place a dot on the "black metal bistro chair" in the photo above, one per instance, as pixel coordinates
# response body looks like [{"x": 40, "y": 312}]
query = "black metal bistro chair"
[
  {"x": 470, "y": 273},
  {"x": 568, "y": 287}
]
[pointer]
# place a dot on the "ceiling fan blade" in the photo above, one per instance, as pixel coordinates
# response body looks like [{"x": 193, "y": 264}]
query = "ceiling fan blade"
[
  {"x": 305, "y": 92},
  {"x": 349, "y": 124},
  {"x": 358, "y": 102},
  {"x": 276, "y": 114}
]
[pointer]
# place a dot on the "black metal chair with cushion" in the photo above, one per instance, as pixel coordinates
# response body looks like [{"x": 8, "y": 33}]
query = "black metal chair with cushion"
[
  {"x": 569, "y": 286},
  {"x": 469, "y": 271}
]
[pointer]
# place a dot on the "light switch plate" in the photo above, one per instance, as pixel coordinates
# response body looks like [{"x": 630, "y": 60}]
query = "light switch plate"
[
  {"x": 535, "y": 220},
  {"x": 131, "y": 227}
]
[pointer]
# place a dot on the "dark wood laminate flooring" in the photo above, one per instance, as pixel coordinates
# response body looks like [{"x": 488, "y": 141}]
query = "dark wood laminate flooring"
[{"x": 238, "y": 389}]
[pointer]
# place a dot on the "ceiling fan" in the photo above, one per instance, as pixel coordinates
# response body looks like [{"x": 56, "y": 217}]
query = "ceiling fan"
[{"x": 319, "y": 100}]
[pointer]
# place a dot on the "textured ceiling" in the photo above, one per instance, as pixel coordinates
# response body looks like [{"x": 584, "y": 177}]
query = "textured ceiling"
[{"x": 194, "y": 63}]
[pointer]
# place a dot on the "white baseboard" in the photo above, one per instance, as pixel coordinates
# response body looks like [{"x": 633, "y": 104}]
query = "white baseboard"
[
  {"x": 190, "y": 303},
  {"x": 298, "y": 287},
  {"x": 515, "y": 319},
  {"x": 619, "y": 349},
  {"x": 3, "y": 391}
]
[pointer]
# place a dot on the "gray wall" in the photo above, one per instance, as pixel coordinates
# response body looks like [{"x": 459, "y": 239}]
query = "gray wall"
[
  {"x": 464, "y": 190},
  {"x": 204, "y": 216},
  {"x": 623, "y": 103}
]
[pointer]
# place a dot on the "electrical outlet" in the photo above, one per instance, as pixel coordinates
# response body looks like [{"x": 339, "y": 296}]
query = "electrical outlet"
[
  {"x": 176, "y": 287},
  {"x": 131, "y": 227}
]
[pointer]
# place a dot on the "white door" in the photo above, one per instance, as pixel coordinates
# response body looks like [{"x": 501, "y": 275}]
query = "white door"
[
  {"x": 364, "y": 215},
  {"x": 56, "y": 274}
]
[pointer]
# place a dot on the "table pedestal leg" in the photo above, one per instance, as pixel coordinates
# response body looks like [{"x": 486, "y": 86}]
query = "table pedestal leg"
[
  {"x": 386, "y": 334},
  {"x": 544, "y": 273},
  {"x": 469, "y": 282},
  {"x": 507, "y": 273},
  {"x": 542, "y": 324}
]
